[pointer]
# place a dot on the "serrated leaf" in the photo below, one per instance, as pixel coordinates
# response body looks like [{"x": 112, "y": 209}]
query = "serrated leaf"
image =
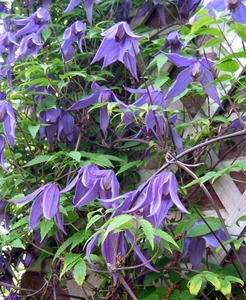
[
  {"x": 17, "y": 243},
  {"x": 37, "y": 160},
  {"x": 195, "y": 284},
  {"x": 79, "y": 272},
  {"x": 70, "y": 259},
  {"x": 45, "y": 227},
  {"x": 21, "y": 222},
  {"x": 225, "y": 287},
  {"x": 148, "y": 231},
  {"x": 212, "y": 279}
]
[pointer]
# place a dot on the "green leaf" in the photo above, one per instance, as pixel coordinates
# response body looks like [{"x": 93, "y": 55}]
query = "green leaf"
[
  {"x": 37, "y": 160},
  {"x": 228, "y": 66},
  {"x": 148, "y": 231},
  {"x": 79, "y": 272},
  {"x": 160, "y": 60},
  {"x": 21, "y": 222},
  {"x": 240, "y": 30},
  {"x": 45, "y": 227},
  {"x": 92, "y": 221},
  {"x": 212, "y": 278},
  {"x": 117, "y": 222},
  {"x": 234, "y": 279},
  {"x": 76, "y": 155},
  {"x": 212, "y": 42},
  {"x": 204, "y": 20},
  {"x": 241, "y": 219},
  {"x": 225, "y": 287},
  {"x": 203, "y": 229},
  {"x": 165, "y": 236},
  {"x": 70, "y": 259},
  {"x": 209, "y": 31},
  {"x": 195, "y": 284},
  {"x": 127, "y": 166},
  {"x": 17, "y": 243},
  {"x": 33, "y": 130}
]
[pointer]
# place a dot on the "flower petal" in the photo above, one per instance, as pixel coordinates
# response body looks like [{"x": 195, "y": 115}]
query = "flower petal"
[
  {"x": 211, "y": 90},
  {"x": 180, "y": 61}
]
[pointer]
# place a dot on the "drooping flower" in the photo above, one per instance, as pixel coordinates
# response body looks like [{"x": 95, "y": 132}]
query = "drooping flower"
[
  {"x": 75, "y": 32},
  {"x": 101, "y": 95},
  {"x": 119, "y": 43},
  {"x": 173, "y": 41},
  {"x": 187, "y": 7},
  {"x": 91, "y": 182},
  {"x": 29, "y": 45},
  {"x": 195, "y": 246},
  {"x": 122, "y": 10},
  {"x": 8, "y": 44},
  {"x": 4, "y": 215},
  {"x": 148, "y": 6},
  {"x": 196, "y": 71},
  {"x": 88, "y": 7},
  {"x": 236, "y": 7},
  {"x": 7, "y": 118},
  {"x": 46, "y": 204},
  {"x": 33, "y": 24}
]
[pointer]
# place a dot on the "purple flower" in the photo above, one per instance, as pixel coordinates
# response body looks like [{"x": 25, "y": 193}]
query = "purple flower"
[
  {"x": 101, "y": 95},
  {"x": 123, "y": 10},
  {"x": 4, "y": 215},
  {"x": 8, "y": 44},
  {"x": 90, "y": 181},
  {"x": 119, "y": 43},
  {"x": 196, "y": 71},
  {"x": 33, "y": 24},
  {"x": 174, "y": 41},
  {"x": 196, "y": 246},
  {"x": 75, "y": 32},
  {"x": 29, "y": 45},
  {"x": 7, "y": 118},
  {"x": 1, "y": 153},
  {"x": 147, "y": 7},
  {"x": 88, "y": 7},
  {"x": 46, "y": 205},
  {"x": 187, "y": 7},
  {"x": 236, "y": 7}
]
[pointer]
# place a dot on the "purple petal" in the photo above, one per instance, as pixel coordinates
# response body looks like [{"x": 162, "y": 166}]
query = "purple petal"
[
  {"x": 239, "y": 14},
  {"x": 196, "y": 249},
  {"x": 106, "y": 47},
  {"x": 59, "y": 223},
  {"x": 180, "y": 84},
  {"x": 211, "y": 90},
  {"x": 89, "y": 196},
  {"x": 185, "y": 248},
  {"x": 72, "y": 4},
  {"x": 161, "y": 14},
  {"x": 180, "y": 61},
  {"x": 174, "y": 194},
  {"x": 143, "y": 10},
  {"x": 89, "y": 100},
  {"x": 50, "y": 203},
  {"x": 90, "y": 246},
  {"x": 104, "y": 118},
  {"x": 36, "y": 213},
  {"x": 89, "y": 8},
  {"x": 29, "y": 197}
]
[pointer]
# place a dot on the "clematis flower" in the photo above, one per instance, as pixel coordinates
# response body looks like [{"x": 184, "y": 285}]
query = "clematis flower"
[
  {"x": 75, "y": 32},
  {"x": 33, "y": 24},
  {"x": 88, "y": 7},
  {"x": 7, "y": 118},
  {"x": 4, "y": 215},
  {"x": 122, "y": 10},
  {"x": 100, "y": 95},
  {"x": 46, "y": 205},
  {"x": 8, "y": 44},
  {"x": 236, "y": 7},
  {"x": 187, "y": 7},
  {"x": 1, "y": 153},
  {"x": 91, "y": 181},
  {"x": 196, "y": 71},
  {"x": 119, "y": 43},
  {"x": 196, "y": 246},
  {"x": 148, "y": 6},
  {"x": 173, "y": 41},
  {"x": 30, "y": 44}
]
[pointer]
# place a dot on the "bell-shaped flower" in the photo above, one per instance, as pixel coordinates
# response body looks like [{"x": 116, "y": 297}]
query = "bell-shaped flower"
[
  {"x": 7, "y": 118},
  {"x": 196, "y": 246},
  {"x": 1, "y": 153},
  {"x": 236, "y": 7},
  {"x": 33, "y": 24},
  {"x": 101, "y": 95},
  {"x": 119, "y": 43},
  {"x": 46, "y": 205},
  {"x": 8, "y": 44},
  {"x": 148, "y": 6},
  {"x": 91, "y": 182},
  {"x": 173, "y": 41},
  {"x": 196, "y": 71},
  {"x": 75, "y": 32},
  {"x": 187, "y": 7},
  {"x": 122, "y": 10},
  {"x": 29, "y": 45},
  {"x": 88, "y": 7},
  {"x": 66, "y": 128}
]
